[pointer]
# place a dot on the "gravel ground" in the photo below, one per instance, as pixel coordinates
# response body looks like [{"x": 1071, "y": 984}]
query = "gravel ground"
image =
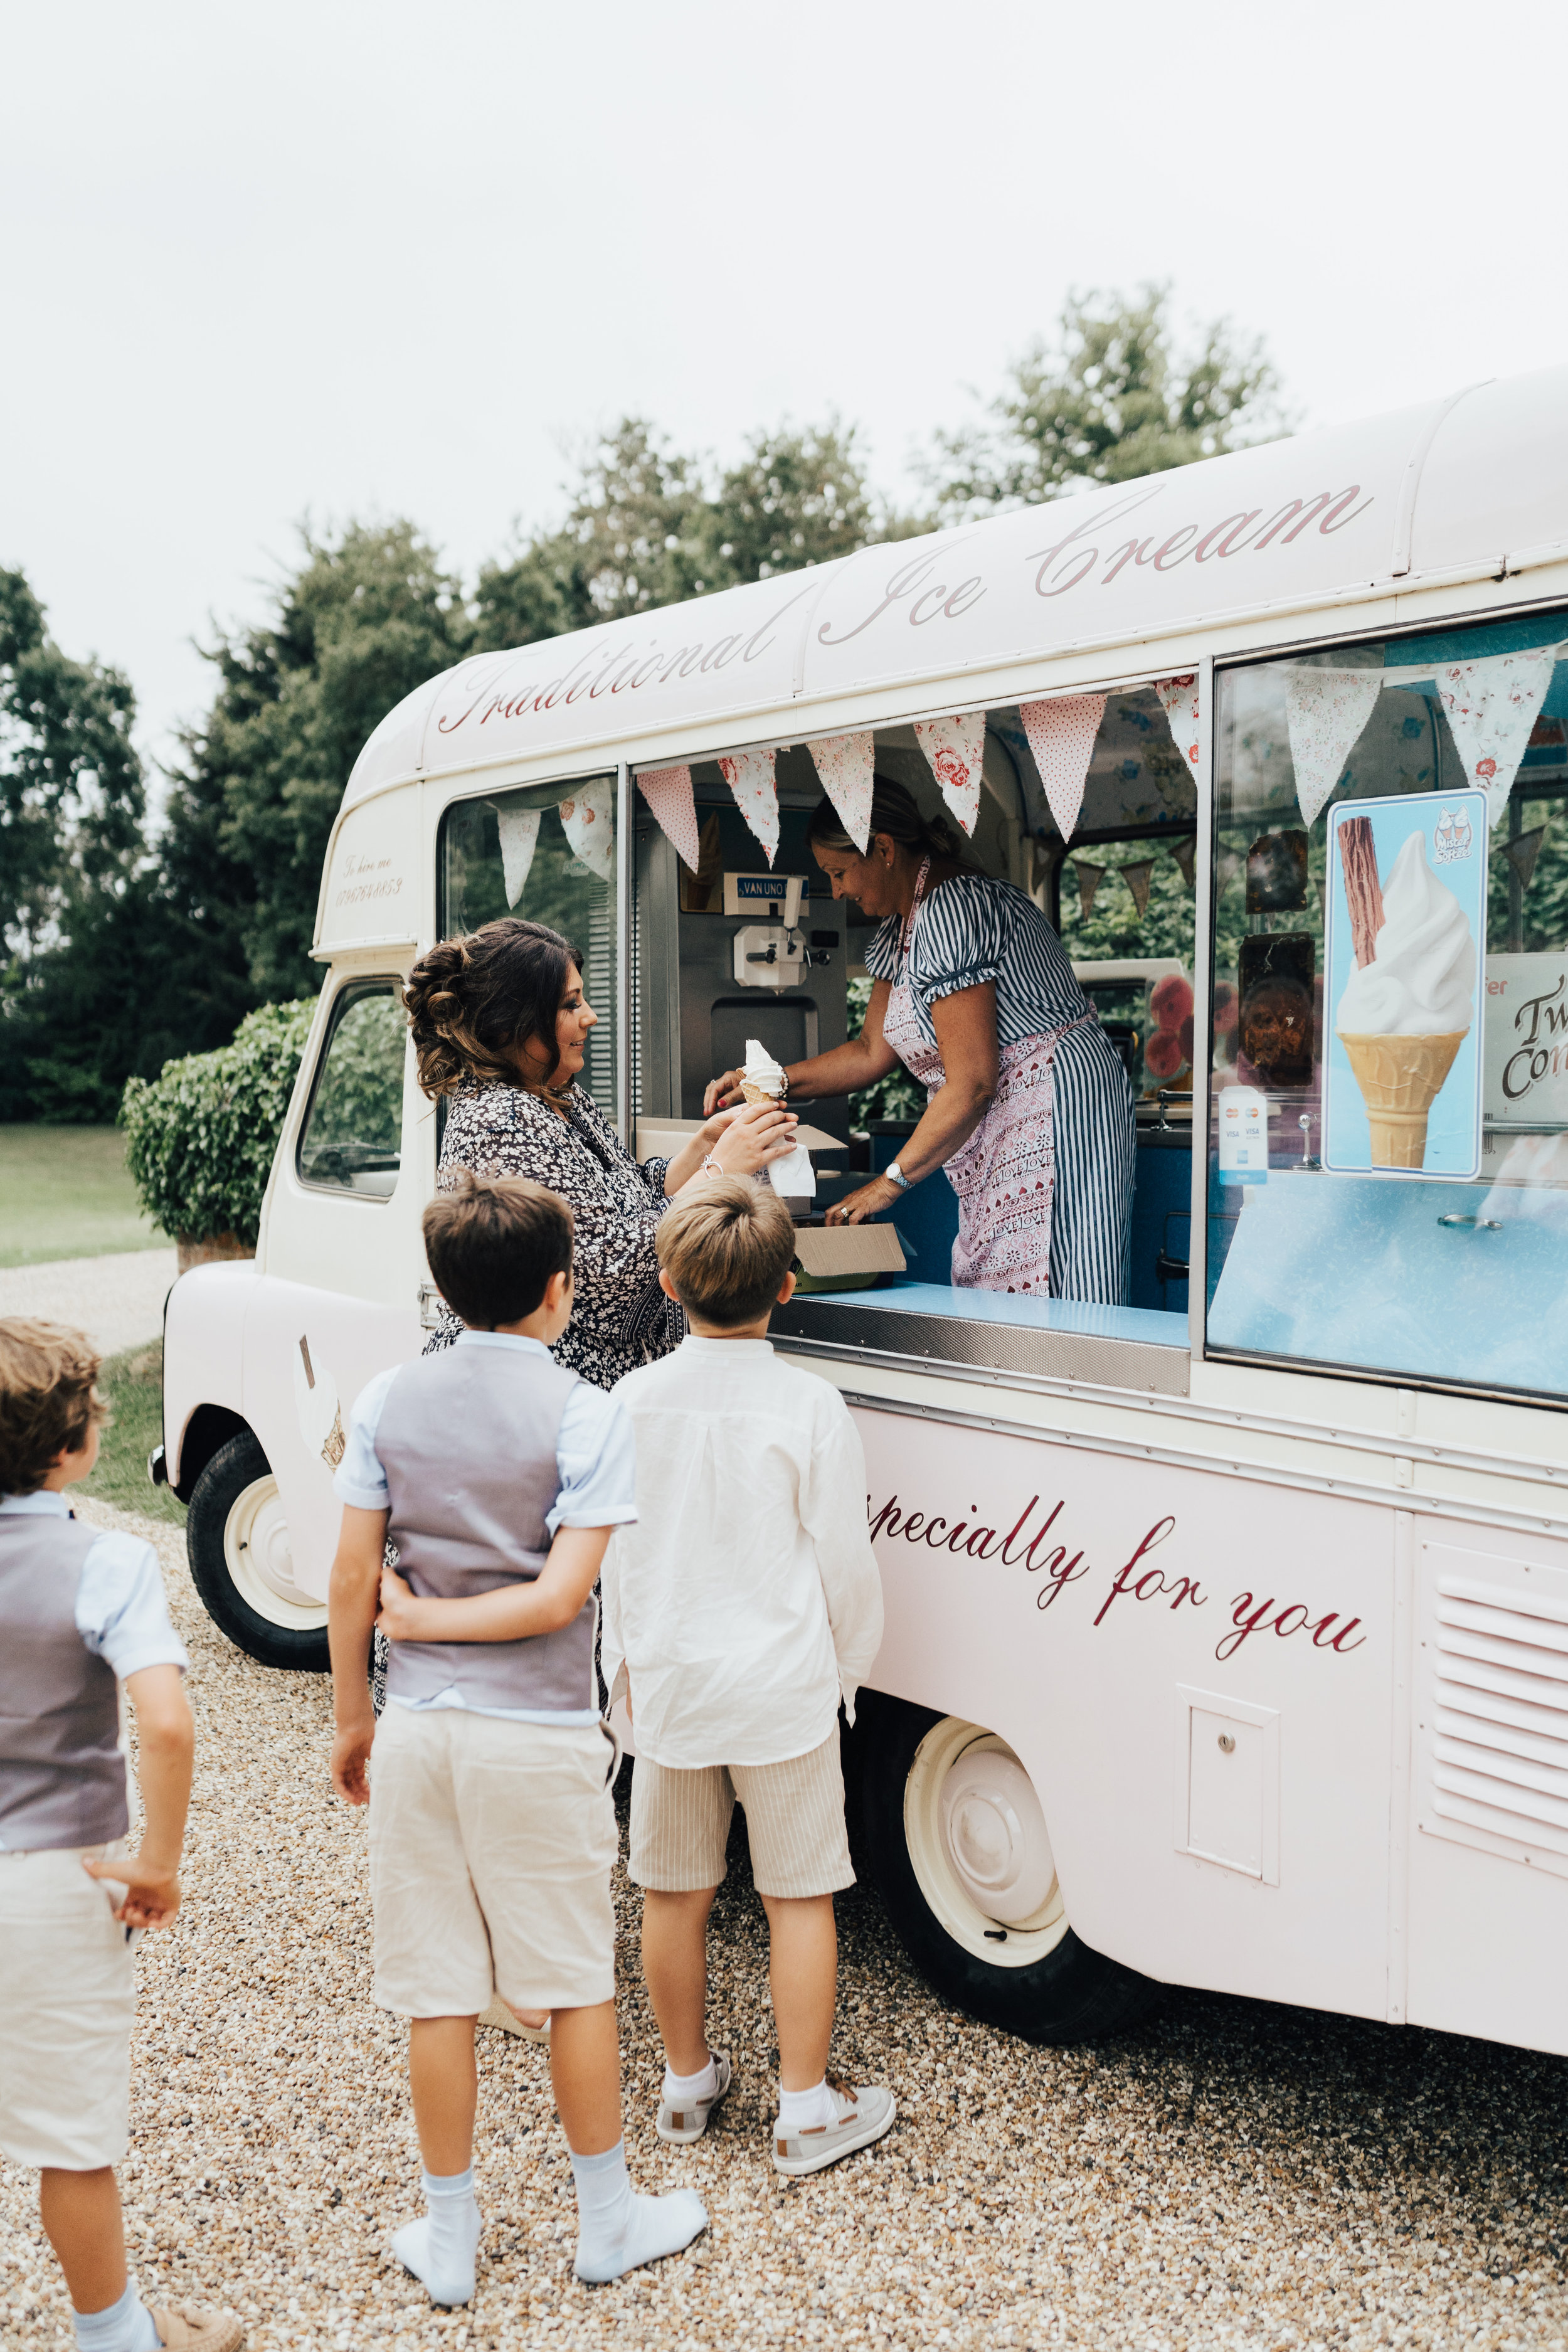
[
  {"x": 117, "y": 1300},
  {"x": 1233, "y": 2174}
]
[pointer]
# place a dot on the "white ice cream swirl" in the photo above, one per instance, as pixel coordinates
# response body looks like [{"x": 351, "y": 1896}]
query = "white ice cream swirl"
[
  {"x": 1421, "y": 982},
  {"x": 762, "y": 1071}
]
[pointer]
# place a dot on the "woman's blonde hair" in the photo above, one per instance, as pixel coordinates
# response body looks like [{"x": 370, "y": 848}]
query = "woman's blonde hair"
[{"x": 727, "y": 1248}]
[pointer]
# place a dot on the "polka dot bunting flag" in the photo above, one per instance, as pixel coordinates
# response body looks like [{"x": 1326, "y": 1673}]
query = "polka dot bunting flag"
[
  {"x": 668, "y": 792},
  {"x": 844, "y": 763},
  {"x": 1061, "y": 736}
]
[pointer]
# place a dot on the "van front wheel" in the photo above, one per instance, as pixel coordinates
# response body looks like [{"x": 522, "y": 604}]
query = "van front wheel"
[
  {"x": 236, "y": 1540},
  {"x": 956, "y": 1838}
]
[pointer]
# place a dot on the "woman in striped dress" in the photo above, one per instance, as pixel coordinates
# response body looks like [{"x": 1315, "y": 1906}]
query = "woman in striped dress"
[{"x": 1029, "y": 1109}]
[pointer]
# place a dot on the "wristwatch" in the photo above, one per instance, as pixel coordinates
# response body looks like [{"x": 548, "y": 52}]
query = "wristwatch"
[{"x": 898, "y": 1175}]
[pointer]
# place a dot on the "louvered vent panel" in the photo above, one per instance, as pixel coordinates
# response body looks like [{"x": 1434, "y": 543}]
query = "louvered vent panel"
[{"x": 1498, "y": 1728}]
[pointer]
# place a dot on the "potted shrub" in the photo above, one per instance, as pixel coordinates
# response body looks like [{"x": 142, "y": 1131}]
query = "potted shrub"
[{"x": 201, "y": 1136}]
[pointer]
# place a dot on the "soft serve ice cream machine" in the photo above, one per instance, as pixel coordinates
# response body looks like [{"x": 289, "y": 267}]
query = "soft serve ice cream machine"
[{"x": 773, "y": 952}]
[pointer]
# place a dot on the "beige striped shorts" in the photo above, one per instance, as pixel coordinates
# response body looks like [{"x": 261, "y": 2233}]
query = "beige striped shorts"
[{"x": 795, "y": 1825}]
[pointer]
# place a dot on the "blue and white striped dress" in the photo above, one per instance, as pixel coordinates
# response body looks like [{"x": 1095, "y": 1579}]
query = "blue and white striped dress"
[{"x": 973, "y": 928}]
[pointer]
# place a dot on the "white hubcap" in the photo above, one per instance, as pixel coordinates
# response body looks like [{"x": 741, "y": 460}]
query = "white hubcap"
[
  {"x": 260, "y": 1564},
  {"x": 980, "y": 1848}
]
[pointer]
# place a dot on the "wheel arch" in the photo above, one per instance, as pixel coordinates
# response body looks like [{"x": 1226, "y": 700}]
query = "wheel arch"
[{"x": 207, "y": 1429}]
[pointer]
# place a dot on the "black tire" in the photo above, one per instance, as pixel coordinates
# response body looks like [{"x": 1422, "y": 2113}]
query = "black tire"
[
  {"x": 1069, "y": 1995},
  {"x": 234, "y": 1470}
]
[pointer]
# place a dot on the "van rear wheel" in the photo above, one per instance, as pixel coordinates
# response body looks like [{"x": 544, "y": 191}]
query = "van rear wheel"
[
  {"x": 956, "y": 1839},
  {"x": 236, "y": 1538}
]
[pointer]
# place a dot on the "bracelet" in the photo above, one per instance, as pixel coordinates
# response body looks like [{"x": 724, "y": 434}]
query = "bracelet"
[{"x": 712, "y": 1164}]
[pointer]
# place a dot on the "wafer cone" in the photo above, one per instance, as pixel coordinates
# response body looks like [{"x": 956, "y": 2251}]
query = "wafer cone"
[
  {"x": 758, "y": 1094},
  {"x": 1399, "y": 1078}
]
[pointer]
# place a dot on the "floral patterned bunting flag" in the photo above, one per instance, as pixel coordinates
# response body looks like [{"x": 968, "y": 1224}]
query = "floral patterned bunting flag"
[
  {"x": 588, "y": 820},
  {"x": 749, "y": 776},
  {"x": 1137, "y": 879},
  {"x": 1061, "y": 736},
  {"x": 955, "y": 747},
  {"x": 844, "y": 763},
  {"x": 1491, "y": 706},
  {"x": 1325, "y": 710},
  {"x": 1180, "y": 698},
  {"x": 518, "y": 830},
  {"x": 668, "y": 792}
]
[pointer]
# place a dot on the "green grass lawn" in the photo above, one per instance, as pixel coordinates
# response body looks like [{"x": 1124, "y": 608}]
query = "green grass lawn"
[
  {"x": 65, "y": 1192},
  {"x": 134, "y": 1385}
]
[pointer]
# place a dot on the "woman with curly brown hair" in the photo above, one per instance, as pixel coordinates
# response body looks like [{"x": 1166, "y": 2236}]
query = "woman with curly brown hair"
[{"x": 500, "y": 1023}]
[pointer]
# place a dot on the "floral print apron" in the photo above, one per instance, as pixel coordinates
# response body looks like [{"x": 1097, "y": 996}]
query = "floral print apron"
[{"x": 1005, "y": 1176}]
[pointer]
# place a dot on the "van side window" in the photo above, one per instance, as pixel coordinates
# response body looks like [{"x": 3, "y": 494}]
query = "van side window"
[
  {"x": 1388, "y": 1131},
  {"x": 353, "y": 1133}
]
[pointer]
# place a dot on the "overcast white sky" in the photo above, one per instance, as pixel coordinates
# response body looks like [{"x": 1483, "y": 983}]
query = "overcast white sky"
[{"x": 343, "y": 259}]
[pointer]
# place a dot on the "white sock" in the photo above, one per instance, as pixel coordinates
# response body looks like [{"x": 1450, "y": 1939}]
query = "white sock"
[
  {"x": 686, "y": 2090},
  {"x": 803, "y": 2111},
  {"x": 126, "y": 2326},
  {"x": 616, "y": 2228},
  {"x": 440, "y": 2249}
]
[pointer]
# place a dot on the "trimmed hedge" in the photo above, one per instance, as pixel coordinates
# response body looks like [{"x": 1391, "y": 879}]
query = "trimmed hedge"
[{"x": 201, "y": 1136}]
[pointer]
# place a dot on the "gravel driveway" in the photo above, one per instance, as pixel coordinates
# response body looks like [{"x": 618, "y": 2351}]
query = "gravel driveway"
[
  {"x": 1233, "y": 2174},
  {"x": 117, "y": 1300}
]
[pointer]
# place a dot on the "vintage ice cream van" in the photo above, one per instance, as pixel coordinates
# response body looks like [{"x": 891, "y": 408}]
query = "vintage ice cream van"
[{"x": 1227, "y": 1627}]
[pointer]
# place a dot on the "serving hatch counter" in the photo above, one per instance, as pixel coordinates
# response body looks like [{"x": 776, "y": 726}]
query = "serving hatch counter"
[{"x": 929, "y": 1324}]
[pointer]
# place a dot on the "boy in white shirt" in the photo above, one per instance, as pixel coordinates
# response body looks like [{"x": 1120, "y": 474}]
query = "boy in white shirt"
[{"x": 740, "y": 1608}]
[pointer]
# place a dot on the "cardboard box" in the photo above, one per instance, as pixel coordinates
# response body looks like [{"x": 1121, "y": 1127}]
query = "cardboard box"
[{"x": 845, "y": 1258}]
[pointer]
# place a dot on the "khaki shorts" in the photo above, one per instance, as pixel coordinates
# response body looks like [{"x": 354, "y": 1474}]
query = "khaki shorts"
[
  {"x": 491, "y": 1845},
  {"x": 794, "y": 1823},
  {"x": 67, "y": 2003}
]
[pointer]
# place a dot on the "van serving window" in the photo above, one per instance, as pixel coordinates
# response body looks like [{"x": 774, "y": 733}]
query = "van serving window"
[
  {"x": 351, "y": 1141},
  {"x": 548, "y": 854},
  {"x": 1388, "y": 1131}
]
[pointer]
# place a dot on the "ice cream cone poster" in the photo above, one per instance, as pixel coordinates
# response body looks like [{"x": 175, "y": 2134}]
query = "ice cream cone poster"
[{"x": 1405, "y": 958}]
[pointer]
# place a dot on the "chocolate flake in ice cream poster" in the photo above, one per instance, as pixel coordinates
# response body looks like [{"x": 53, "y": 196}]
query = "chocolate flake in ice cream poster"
[{"x": 1403, "y": 963}]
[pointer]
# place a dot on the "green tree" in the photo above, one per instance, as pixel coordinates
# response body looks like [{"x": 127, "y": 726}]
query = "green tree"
[
  {"x": 72, "y": 794},
  {"x": 367, "y": 618},
  {"x": 1109, "y": 399},
  {"x": 648, "y": 527}
]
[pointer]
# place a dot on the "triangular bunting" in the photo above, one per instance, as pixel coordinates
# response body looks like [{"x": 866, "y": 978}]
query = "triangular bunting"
[
  {"x": 1090, "y": 878},
  {"x": 668, "y": 792},
  {"x": 955, "y": 747},
  {"x": 844, "y": 763},
  {"x": 1325, "y": 710},
  {"x": 1491, "y": 706},
  {"x": 1186, "y": 853},
  {"x": 1137, "y": 879},
  {"x": 749, "y": 776},
  {"x": 1522, "y": 854},
  {"x": 1180, "y": 698},
  {"x": 1061, "y": 736},
  {"x": 518, "y": 830},
  {"x": 588, "y": 820}
]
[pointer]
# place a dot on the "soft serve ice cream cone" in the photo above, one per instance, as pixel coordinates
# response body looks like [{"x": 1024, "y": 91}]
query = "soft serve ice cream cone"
[
  {"x": 762, "y": 1078},
  {"x": 1407, "y": 1007}
]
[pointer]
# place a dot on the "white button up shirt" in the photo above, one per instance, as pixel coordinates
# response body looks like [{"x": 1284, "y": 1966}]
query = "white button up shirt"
[{"x": 745, "y": 1601}]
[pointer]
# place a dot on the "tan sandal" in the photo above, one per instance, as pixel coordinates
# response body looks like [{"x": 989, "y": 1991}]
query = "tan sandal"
[
  {"x": 502, "y": 2014},
  {"x": 184, "y": 2328}
]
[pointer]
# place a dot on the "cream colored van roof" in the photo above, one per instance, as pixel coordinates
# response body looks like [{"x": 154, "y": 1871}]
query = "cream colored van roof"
[{"x": 1461, "y": 488}]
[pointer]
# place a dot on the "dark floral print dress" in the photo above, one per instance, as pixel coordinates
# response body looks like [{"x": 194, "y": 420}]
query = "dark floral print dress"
[{"x": 620, "y": 1317}]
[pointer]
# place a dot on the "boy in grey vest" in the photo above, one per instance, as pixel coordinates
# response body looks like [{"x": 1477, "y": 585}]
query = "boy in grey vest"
[
  {"x": 81, "y": 1613},
  {"x": 498, "y": 1475}
]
